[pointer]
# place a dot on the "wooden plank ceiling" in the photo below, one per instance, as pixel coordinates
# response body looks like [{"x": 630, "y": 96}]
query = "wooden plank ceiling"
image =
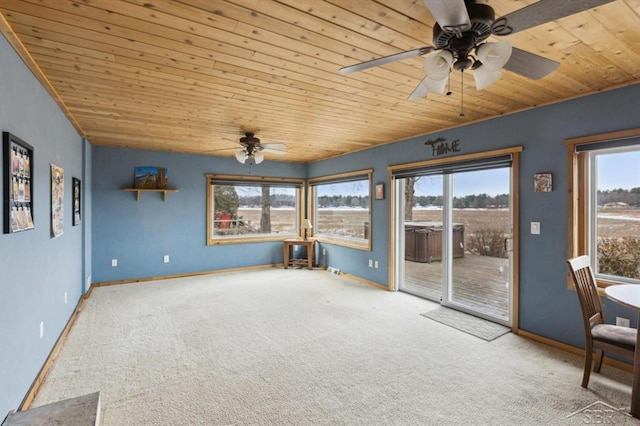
[{"x": 193, "y": 75}]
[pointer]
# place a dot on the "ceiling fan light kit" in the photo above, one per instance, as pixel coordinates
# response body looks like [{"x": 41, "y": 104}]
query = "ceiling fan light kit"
[
  {"x": 437, "y": 65},
  {"x": 436, "y": 86},
  {"x": 494, "y": 55},
  {"x": 258, "y": 157},
  {"x": 485, "y": 77},
  {"x": 249, "y": 154},
  {"x": 459, "y": 42},
  {"x": 242, "y": 156},
  {"x": 254, "y": 151}
]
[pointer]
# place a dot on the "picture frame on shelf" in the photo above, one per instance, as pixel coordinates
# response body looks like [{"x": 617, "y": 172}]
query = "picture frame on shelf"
[
  {"x": 17, "y": 184},
  {"x": 77, "y": 200},
  {"x": 148, "y": 177}
]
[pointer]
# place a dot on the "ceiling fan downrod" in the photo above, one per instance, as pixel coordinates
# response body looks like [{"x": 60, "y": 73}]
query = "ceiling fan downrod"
[{"x": 462, "y": 93}]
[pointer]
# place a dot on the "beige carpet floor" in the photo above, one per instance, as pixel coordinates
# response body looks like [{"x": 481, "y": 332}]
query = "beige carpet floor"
[{"x": 307, "y": 347}]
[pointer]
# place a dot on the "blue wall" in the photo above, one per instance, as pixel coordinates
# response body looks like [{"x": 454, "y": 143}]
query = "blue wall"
[
  {"x": 36, "y": 269},
  {"x": 139, "y": 233},
  {"x": 547, "y": 308}
]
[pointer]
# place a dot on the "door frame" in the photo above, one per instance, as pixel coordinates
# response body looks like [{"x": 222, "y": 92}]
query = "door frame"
[{"x": 394, "y": 270}]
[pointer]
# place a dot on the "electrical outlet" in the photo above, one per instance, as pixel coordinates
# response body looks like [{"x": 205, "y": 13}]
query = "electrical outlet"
[
  {"x": 166, "y": 258},
  {"x": 41, "y": 329},
  {"x": 65, "y": 297},
  {"x": 370, "y": 263},
  {"x": 535, "y": 228},
  {"x": 623, "y": 322},
  {"x": 375, "y": 264},
  {"x": 114, "y": 262}
]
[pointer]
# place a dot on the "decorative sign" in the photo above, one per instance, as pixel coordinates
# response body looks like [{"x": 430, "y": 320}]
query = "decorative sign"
[{"x": 440, "y": 146}]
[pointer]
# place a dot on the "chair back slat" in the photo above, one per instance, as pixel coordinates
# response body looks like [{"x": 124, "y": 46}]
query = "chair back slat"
[
  {"x": 587, "y": 290},
  {"x": 617, "y": 342}
]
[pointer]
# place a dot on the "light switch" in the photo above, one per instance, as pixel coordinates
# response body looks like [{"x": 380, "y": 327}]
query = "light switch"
[{"x": 535, "y": 228}]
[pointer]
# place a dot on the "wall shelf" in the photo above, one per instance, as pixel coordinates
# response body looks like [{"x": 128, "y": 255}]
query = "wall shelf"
[{"x": 139, "y": 190}]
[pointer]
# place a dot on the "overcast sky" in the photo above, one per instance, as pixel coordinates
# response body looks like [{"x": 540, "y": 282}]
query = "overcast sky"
[
  {"x": 490, "y": 182},
  {"x": 620, "y": 170}
]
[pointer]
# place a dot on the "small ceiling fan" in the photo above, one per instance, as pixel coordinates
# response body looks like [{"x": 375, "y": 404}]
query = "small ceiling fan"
[
  {"x": 459, "y": 35},
  {"x": 252, "y": 149}
]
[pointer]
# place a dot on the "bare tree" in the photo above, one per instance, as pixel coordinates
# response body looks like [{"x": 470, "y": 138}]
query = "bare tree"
[
  {"x": 409, "y": 195},
  {"x": 265, "y": 218}
]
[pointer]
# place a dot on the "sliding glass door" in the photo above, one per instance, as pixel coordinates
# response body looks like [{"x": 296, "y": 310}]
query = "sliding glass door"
[
  {"x": 454, "y": 238},
  {"x": 421, "y": 231},
  {"x": 480, "y": 234}
]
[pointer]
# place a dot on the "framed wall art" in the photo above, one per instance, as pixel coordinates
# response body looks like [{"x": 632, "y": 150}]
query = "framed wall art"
[
  {"x": 380, "y": 191},
  {"x": 77, "y": 199},
  {"x": 543, "y": 182},
  {"x": 150, "y": 177},
  {"x": 18, "y": 184},
  {"x": 57, "y": 200}
]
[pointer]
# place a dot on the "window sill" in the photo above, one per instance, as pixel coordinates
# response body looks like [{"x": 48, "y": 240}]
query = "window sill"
[
  {"x": 359, "y": 245},
  {"x": 244, "y": 239}
]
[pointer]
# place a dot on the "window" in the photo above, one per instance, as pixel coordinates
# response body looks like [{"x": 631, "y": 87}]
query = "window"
[
  {"x": 242, "y": 209},
  {"x": 341, "y": 209},
  {"x": 604, "y": 212}
]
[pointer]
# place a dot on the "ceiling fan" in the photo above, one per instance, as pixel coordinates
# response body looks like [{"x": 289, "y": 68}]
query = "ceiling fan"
[
  {"x": 459, "y": 35},
  {"x": 253, "y": 150}
]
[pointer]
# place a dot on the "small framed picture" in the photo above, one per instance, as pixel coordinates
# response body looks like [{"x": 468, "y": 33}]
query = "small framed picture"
[
  {"x": 150, "y": 177},
  {"x": 57, "y": 200},
  {"x": 380, "y": 191},
  {"x": 543, "y": 182},
  {"x": 77, "y": 211},
  {"x": 17, "y": 179}
]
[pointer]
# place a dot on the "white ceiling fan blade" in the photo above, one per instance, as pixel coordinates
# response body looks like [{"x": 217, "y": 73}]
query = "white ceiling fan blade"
[
  {"x": 224, "y": 149},
  {"x": 274, "y": 151},
  {"x": 386, "y": 60},
  {"x": 529, "y": 64},
  {"x": 419, "y": 92},
  {"x": 276, "y": 145},
  {"x": 451, "y": 15},
  {"x": 541, "y": 12}
]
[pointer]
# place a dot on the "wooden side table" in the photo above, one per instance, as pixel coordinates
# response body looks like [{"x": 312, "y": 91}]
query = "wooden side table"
[{"x": 288, "y": 243}]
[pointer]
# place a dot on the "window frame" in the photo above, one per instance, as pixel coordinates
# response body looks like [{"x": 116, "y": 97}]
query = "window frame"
[
  {"x": 312, "y": 208},
  {"x": 579, "y": 195},
  {"x": 258, "y": 180}
]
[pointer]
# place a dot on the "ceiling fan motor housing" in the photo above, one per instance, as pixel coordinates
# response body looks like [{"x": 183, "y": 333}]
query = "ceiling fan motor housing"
[
  {"x": 460, "y": 43},
  {"x": 251, "y": 143},
  {"x": 249, "y": 138}
]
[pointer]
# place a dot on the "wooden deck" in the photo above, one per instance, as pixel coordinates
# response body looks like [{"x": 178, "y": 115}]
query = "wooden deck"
[{"x": 480, "y": 283}]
